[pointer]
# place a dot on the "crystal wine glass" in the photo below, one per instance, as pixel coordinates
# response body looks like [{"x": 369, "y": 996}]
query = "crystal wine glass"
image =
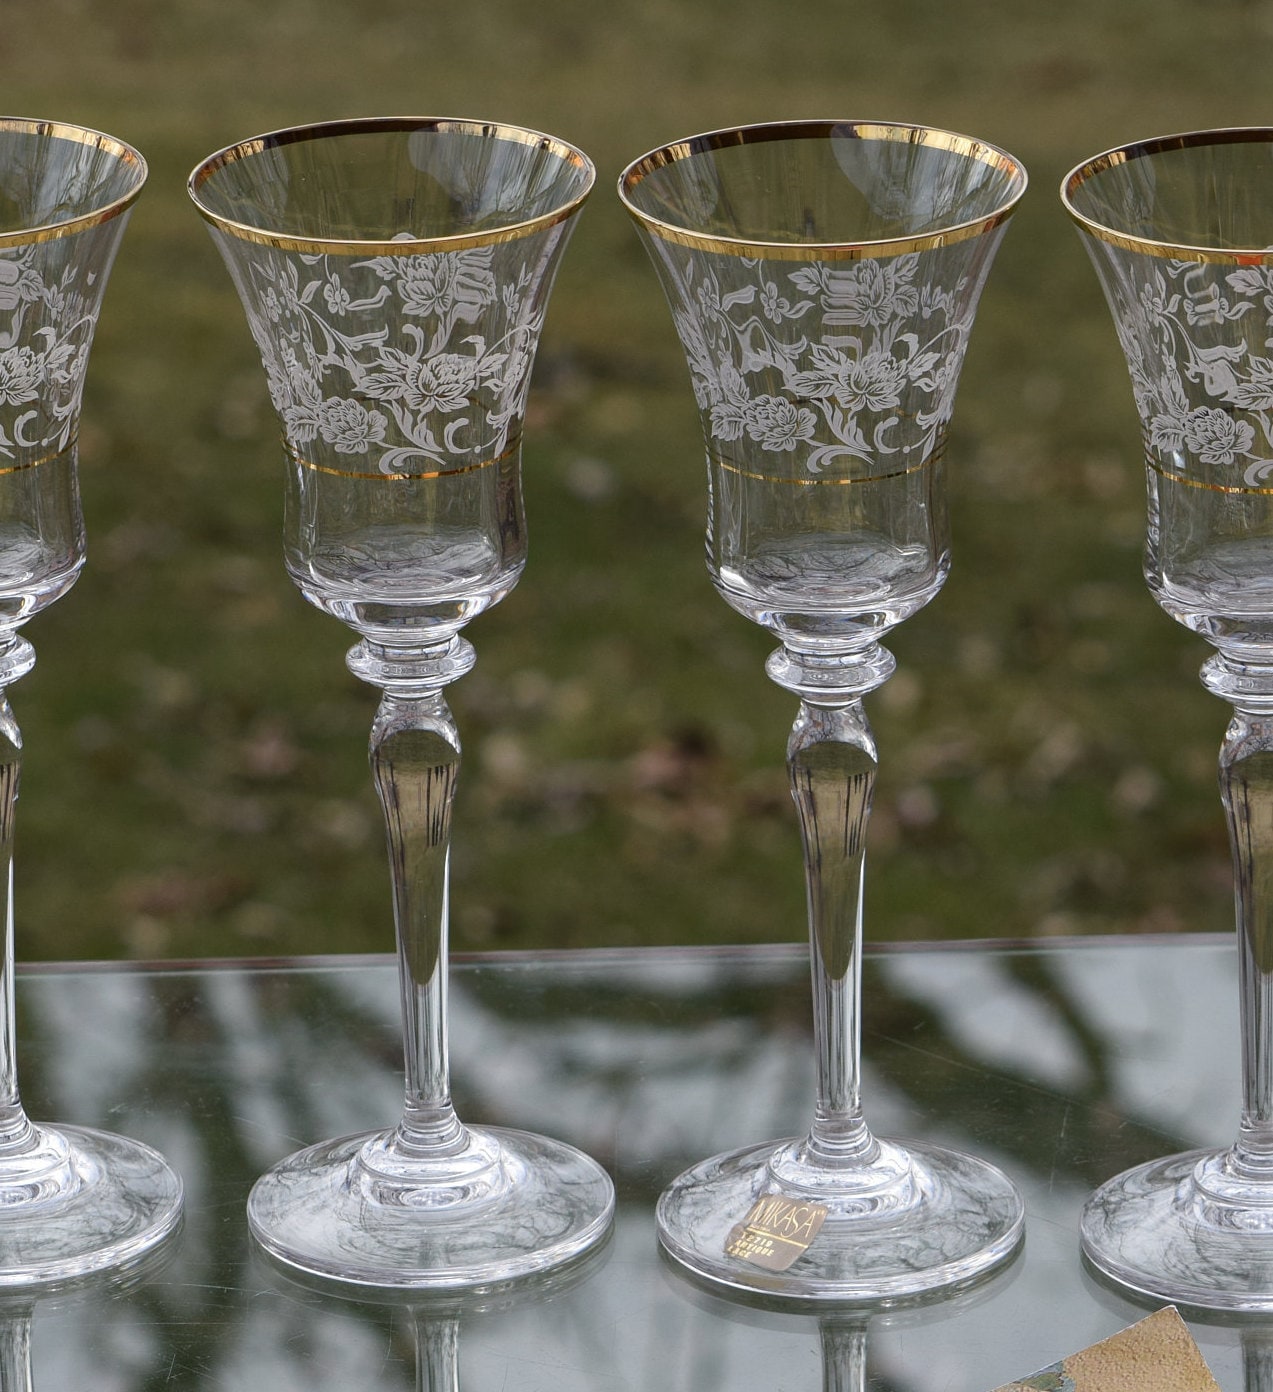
[
  {"x": 823, "y": 279},
  {"x": 1180, "y": 231},
  {"x": 72, "y": 1200},
  {"x": 395, "y": 275}
]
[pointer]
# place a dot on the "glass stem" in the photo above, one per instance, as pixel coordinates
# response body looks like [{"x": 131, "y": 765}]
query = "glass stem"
[
  {"x": 831, "y": 761},
  {"x": 415, "y": 759},
  {"x": 1246, "y": 787},
  {"x": 843, "y": 1355},
  {"x": 437, "y": 1354},
  {"x": 15, "y": 1352},
  {"x": 16, "y": 1132}
]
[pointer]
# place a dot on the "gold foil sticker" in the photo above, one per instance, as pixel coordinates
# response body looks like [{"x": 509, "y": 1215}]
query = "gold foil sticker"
[{"x": 775, "y": 1232}]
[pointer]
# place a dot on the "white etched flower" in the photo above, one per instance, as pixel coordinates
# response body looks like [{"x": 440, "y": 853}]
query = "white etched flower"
[
  {"x": 337, "y": 297},
  {"x": 295, "y": 393},
  {"x": 778, "y": 424},
  {"x": 21, "y": 374},
  {"x": 452, "y": 285},
  {"x": 1156, "y": 300},
  {"x": 774, "y": 306},
  {"x": 1214, "y": 436},
  {"x": 873, "y": 382},
  {"x": 19, "y": 282},
  {"x": 350, "y": 426},
  {"x": 443, "y": 382},
  {"x": 1255, "y": 392},
  {"x": 872, "y": 294}
]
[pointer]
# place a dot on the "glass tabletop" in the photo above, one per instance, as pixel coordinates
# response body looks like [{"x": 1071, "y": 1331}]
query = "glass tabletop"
[{"x": 1062, "y": 1062}]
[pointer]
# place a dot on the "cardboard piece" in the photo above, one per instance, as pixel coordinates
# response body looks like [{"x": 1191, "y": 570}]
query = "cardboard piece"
[{"x": 1156, "y": 1355}]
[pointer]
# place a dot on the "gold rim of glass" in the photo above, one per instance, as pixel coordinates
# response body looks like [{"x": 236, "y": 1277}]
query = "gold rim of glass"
[
  {"x": 931, "y": 136},
  {"x": 81, "y": 135},
  {"x": 1140, "y": 149},
  {"x": 406, "y": 246}
]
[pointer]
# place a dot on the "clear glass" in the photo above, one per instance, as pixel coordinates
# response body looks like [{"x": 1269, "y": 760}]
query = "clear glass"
[
  {"x": 823, "y": 279},
  {"x": 1179, "y": 231},
  {"x": 395, "y": 274},
  {"x": 74, "y": 1200}
]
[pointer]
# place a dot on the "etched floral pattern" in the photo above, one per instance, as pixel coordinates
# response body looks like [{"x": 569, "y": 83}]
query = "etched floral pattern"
[
  {"x": 1196, "y": 339},
  {"x": 824, "y": 363},
  {"x": 48, "y": 310},
  {"x": 393, "y": 364}
]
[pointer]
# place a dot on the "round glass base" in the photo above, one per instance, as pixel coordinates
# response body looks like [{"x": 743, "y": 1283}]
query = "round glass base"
[
  {"x": 525, "y": 1204},
  {"x": 940, "y": 1219},
  {"x": 79, "y": 1202},
  {"x": 1185, "y": 1229}
]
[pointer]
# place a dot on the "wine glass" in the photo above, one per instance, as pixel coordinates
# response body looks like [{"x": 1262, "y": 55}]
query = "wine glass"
[
  {"x": 1179, "y": 230},
  {"x": 72, "y": 1200},
  {"x": 395, "y": 275},
  {"x": 823, "y": 278}
]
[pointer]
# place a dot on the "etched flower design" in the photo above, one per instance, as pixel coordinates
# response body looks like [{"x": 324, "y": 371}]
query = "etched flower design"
[
  {"x": 417, "y": 360},
  {"x": 22, "y": 372},
  {"x": 1215, "y": 436},
  {"x": 1157, "y": 301},
  {"x": 454, "y": 285},
  {"x": 442, "y": 383},
  {"x": 350, "y": 426},
  {"x": 873, "y": 293},
  {"x": 829, "y": 363},
  {"x": 778, "y": 424},
  {"x": 338, "y": 298},
  {"x": 872, "y": 383},
  {"x": 773, "y": 304},
  {"x": 1255, "y": 392}
]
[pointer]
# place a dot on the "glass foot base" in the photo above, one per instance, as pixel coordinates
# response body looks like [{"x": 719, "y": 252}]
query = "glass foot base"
[
  {"x": 332, "y": 1210},
  {"x": 941, "y": 1219},
  {"x": 80, "y": 1202},
  {"x": 1187, "y": 1230}
]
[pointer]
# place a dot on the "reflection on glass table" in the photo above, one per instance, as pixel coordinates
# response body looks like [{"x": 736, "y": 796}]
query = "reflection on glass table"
[{"x": 1061, "y": 1063}]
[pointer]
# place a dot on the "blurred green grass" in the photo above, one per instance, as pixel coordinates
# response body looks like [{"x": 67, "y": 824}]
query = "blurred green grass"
[{"x": 195, "y": 777}]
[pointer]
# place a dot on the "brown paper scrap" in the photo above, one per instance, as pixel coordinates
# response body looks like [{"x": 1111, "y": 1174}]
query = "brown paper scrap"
[{"x": 1156, "y": 1355}]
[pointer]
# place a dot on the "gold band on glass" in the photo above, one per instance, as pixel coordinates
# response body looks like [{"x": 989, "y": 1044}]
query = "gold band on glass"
[
  {"x": 511, "y": 449},
  {"x": 43, "y": 459},
  {"x": 1149, "y": 246},
  {"x": 729, "y": 467},
  {"x": 822, "y": 130},
  {"x": 407, "y": 246},
  {"x": 1248, "y": 489},
  {"x": 80, "y": 135}
]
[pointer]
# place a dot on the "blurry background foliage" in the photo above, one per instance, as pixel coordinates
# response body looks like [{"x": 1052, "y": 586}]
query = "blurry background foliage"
[{"x": 195, "y": 780}]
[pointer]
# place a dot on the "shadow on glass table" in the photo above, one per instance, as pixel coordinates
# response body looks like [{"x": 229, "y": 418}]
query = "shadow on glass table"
[{"x": 1063, "y": 1063}]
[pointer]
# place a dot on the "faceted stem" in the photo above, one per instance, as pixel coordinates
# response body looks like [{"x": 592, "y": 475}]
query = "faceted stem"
[
  {"x": 415, "y": 759},
  {"x": 843, "y": 1355},
  {"x": 1246, "y": 787},
  {"x": 1257, "y": 1359},
  {"x": 437, "y": 1354},
  {"x": 832, "y": 763},
  {"x": 15, "y": 1352}
]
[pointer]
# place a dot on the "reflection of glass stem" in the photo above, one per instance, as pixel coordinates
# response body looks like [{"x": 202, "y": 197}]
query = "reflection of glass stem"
[
  {"x": 15, "y": 1352},
  {"x": 832, "y": 762},
  {"x": 1257, "y": 1358},
  {"x": 437, "y": 1342},
  {"x": 843, "y": 1355}
]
